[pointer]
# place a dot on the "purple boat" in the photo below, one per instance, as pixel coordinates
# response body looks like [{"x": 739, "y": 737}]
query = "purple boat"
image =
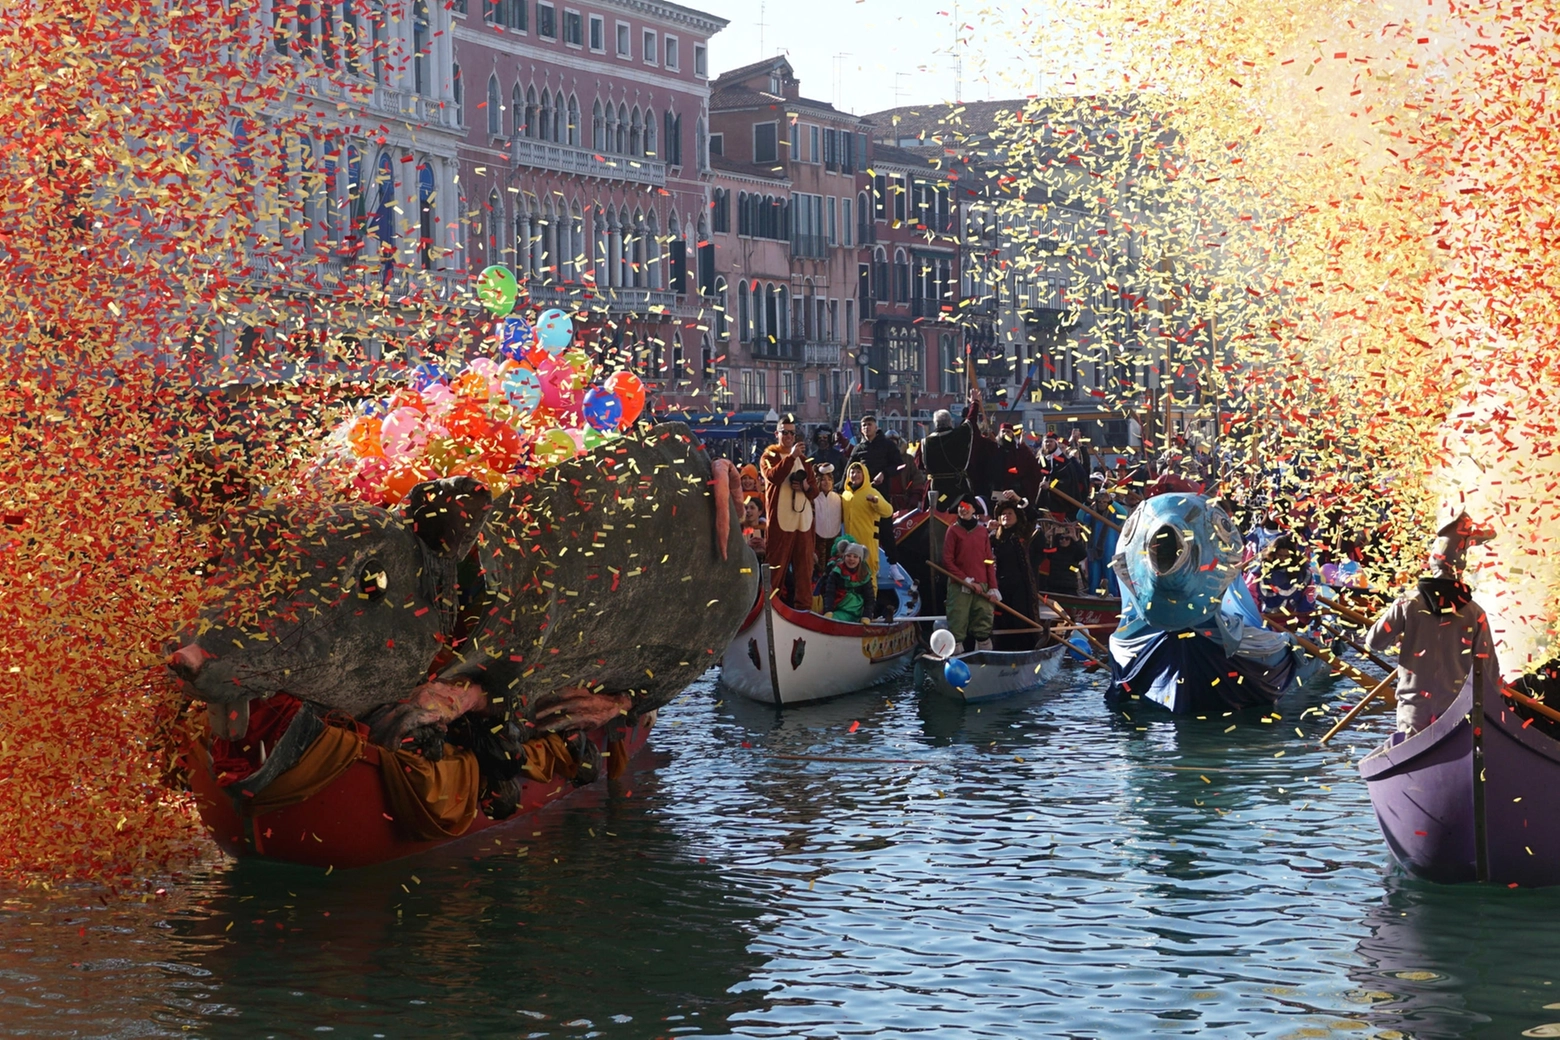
[{"x": 1447, "y": 819}]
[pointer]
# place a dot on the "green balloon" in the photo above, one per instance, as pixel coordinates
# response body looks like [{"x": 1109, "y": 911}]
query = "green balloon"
[{"x": 497, "y": 289}]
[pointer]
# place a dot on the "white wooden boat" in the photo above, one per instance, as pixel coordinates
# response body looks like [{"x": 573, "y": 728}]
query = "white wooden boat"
[
  {"x": 818, "y": 658},
  {"x": 996, "y": 673}
]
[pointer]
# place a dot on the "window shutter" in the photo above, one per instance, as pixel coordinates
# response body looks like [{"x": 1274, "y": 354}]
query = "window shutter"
[
  {"x": 707, "y": 268},
  {"x": 679, "y": 266}
]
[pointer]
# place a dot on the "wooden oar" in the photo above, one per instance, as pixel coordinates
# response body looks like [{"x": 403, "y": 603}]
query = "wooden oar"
[
  {"x": 1066, "y": 620},
  {"x": 1352, "y": 712},
  {"x": 1378, "y": 661},
  {"x": 1343, "y": 667},
  {"x": 1538, "y": 706},
  {"x": 1347, "y": 613},
  {"x": 1065, "y": 497}
]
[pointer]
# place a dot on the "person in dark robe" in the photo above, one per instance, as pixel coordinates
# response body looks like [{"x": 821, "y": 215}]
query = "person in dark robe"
[
  {"x": 881, "y": 457},
  {"x": 945, "y": 456},
  {"x": 1015, "y": 574},
  {"x": 1017, "y": 469},
  {"x": 1063, "y": 471}
]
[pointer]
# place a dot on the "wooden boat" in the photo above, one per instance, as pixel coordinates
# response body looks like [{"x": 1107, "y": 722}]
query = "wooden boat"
[
  {"x": 1101, "y": 614},
  {"x": 995, "y": 674},
  {"x": 818, "y": 658},
  {"x": 349, "y": 822},
  {"x": 1447, "y": 819}
]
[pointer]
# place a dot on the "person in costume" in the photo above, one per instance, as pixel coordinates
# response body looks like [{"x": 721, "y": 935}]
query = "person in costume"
[
  {"x": 828, "y": 515},
  {"x": 1444, "y": 634},
  {"x": 790, "y": 487},
  {"x": 848, "y": 590},
  {"x": 1015, "y": 575},
  {"x": 967, "y": 554},
  {"x": 863, "y": 509}
]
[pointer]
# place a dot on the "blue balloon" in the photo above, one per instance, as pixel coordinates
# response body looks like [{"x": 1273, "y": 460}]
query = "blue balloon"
[
  {"x": 555, "y": 331},
  {"x": 957, "y": 673},
  {"x": 603, "y": 409},
  {"x": 425, "y": 375},
  {"x": 515, "y": 337},
  {"x": 522, "y": 390},
  {"x": 374, "y": 406}
]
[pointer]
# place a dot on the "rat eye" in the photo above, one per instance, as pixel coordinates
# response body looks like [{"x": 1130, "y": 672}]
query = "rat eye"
[{"x": 372, "y": 580}]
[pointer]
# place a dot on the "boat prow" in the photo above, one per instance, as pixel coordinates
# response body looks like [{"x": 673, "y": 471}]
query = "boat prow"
[
  {"x": 1441, "y": 821},
  {"x": 817, "y": 658}
]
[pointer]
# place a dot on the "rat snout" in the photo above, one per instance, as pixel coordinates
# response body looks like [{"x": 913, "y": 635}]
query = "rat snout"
[{"x": 187, "y": 662}]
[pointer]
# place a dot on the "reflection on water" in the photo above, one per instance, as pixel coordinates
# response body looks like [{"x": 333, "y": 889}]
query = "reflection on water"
[{"x": 879, "y": 865}]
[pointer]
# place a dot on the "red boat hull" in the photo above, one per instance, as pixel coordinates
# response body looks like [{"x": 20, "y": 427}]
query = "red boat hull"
[{"x": 348, "y": 823}]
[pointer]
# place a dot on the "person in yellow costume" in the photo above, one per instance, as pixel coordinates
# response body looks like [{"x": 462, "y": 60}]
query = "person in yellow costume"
[{"x": 861, "y": 507}]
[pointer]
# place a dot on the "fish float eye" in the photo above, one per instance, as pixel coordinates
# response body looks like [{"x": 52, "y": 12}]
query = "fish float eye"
[
  {"x": 372, "y": 580},
  {"x": 1166, "y": 549}
]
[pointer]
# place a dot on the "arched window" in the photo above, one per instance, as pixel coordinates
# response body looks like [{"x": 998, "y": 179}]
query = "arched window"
[
  {"x": 701, "y": 145},
  {"x": 598, "y": 128},
  {"x": 544, "y": 130},
  {"x": 494, "y": 221},
  {"x": 901, "y": 277},
  {"x": 494, "y": 109},
  {"x": 635, "y": 134},
  {"x": 650, "y": 134},
  {"x": 530, "y": 112},
  {"x": 516, "y": 113},
  {"x": 654, "y": 275},
  {"x": 574, "y": 121},
  {"x": 425, "y": 220},
  {"x": 574, "y": 256},
  {"x": 384, "y": 203},
  {"x": 559, "y": 119},
  {"x": 864, "y": 228},
  {"x": 622, "y": 129},
  {"x": 458, "y": 88},
  {"x": 880, "y": 275},
  {"x": 422, "y": 48}
]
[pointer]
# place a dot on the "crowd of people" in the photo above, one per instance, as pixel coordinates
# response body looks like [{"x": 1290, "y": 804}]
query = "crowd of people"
[{"x": 1033, "y": 519}]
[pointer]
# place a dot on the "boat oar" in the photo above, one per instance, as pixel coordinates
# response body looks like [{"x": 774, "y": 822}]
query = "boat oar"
[
  {"x": 1365, "y": 652},
  {"x": 1348, "y": 614},
  {"x": 1343, "y": 667},
  {"x": 1065, "y": 497},
  {"x": 1066, "y": 620},
  {"x": 1349, "y": 717},
  {"x": 1538, "y": 706}
]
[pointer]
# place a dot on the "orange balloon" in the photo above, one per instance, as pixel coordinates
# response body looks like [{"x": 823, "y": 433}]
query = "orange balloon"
[
  {"x": 501, "y": 447},
  {"x": 364, "y": 438},
  {"x": 467, "y": 423},
  {"x": 400, "y": 482},
  {"x": 471, "y": 385},
  {"x": 407, "y": 399}
]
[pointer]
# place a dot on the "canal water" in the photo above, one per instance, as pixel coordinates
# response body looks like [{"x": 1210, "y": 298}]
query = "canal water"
[{"x": 884, "y": 865}]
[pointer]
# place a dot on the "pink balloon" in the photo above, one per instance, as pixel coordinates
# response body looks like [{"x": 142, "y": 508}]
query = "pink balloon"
[
  {"x": 403, "y": 434},
  {"x": 560, "y": 387},
  {"x": 485, "y": 367},
  {"x": 438, "y": 398}
]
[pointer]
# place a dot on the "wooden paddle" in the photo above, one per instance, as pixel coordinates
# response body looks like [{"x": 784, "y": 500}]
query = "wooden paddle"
[
  {"x": 1352, "y": 712},
  {"x": 1538, "y": 706},
  {"x": 1375, "y": 659},
  {"x": 1066, "y": 620},
  {"x": 1343, "y": 667},
  {"x": 1348, "y": 614}
]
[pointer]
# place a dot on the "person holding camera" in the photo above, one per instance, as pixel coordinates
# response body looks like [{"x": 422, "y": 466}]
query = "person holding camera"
[{"x": 790, "y": 487}]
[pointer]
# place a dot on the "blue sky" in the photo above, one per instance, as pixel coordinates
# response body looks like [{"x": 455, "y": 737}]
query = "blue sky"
[{"x": 868, "y": 55}]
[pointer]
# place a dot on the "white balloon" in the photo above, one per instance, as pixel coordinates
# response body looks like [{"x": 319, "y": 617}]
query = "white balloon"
[{"x": 943, "y": 643}]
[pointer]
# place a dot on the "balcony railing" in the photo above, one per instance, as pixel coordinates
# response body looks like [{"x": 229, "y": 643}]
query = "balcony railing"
[
  {"x": 627, "y": 300},
  {"x": 563, "y": 158},
  {"x": 767, "y": 349},
  {"x": 819, "y": 353},
  {"x": 921, "y": 307}
]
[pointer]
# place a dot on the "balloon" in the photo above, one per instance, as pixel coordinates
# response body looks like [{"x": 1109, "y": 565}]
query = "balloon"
[
  {"x": 370, "y": 478},
  {"x": 553, "y": 447},
  {"x": 956, "y": 672},
  {"x": 409, "y": 399},
  {"x": 485, "y": 367},
  {"x": 560, "y": 387},
  {"x": 399, "y": 481},
  {"x": 425, "y": 375},
  {"x": 515, "y": 337},
  {"x": 595, "y": 438},
  {"x": 630, "y": 392},
  {"x": 501, "y": 447},
  {"x": 364, "y": 437},
  {"x": 374, "y": 406},
  {"x": 403, "y": 434},
  {"x": 943, "y": 643},
  {"x": 602, "y": 409},
  {"x": 555, "y": 331},
  {"x": 438, "y": 400},
  {"x": 467, "y": 423},
  {"x": 523, "y": 390},
  {"x": 497, "y": 289},
  {"x": 472, "y": 385}
]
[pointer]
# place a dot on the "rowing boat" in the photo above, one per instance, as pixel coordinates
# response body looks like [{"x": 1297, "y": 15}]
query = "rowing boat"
[
  {"x": 994, "y": 674},
  {"x": 784, "y": 656}
]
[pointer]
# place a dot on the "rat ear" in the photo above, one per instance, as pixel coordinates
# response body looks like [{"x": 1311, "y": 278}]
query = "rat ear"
[{"x": 448, "y": 514}]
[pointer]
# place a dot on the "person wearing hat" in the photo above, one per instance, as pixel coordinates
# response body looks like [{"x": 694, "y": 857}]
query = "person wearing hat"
[
  {"x": 824, "y": 450},
  {"x": 881, "y": 457},
  {"x": 1017, "y": 469},
  {"x": 945, "y": 455},
  {"x": 790, "y": 489},
  {"x": 1444, "y": 633},
  {"x": 967, "y": 555},
  {"x": 863, "y": 508},
  {"x": 1015, "y": 574},
  {"x": 848, "y": 589},
  {"x": 828, "y": 515}
]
